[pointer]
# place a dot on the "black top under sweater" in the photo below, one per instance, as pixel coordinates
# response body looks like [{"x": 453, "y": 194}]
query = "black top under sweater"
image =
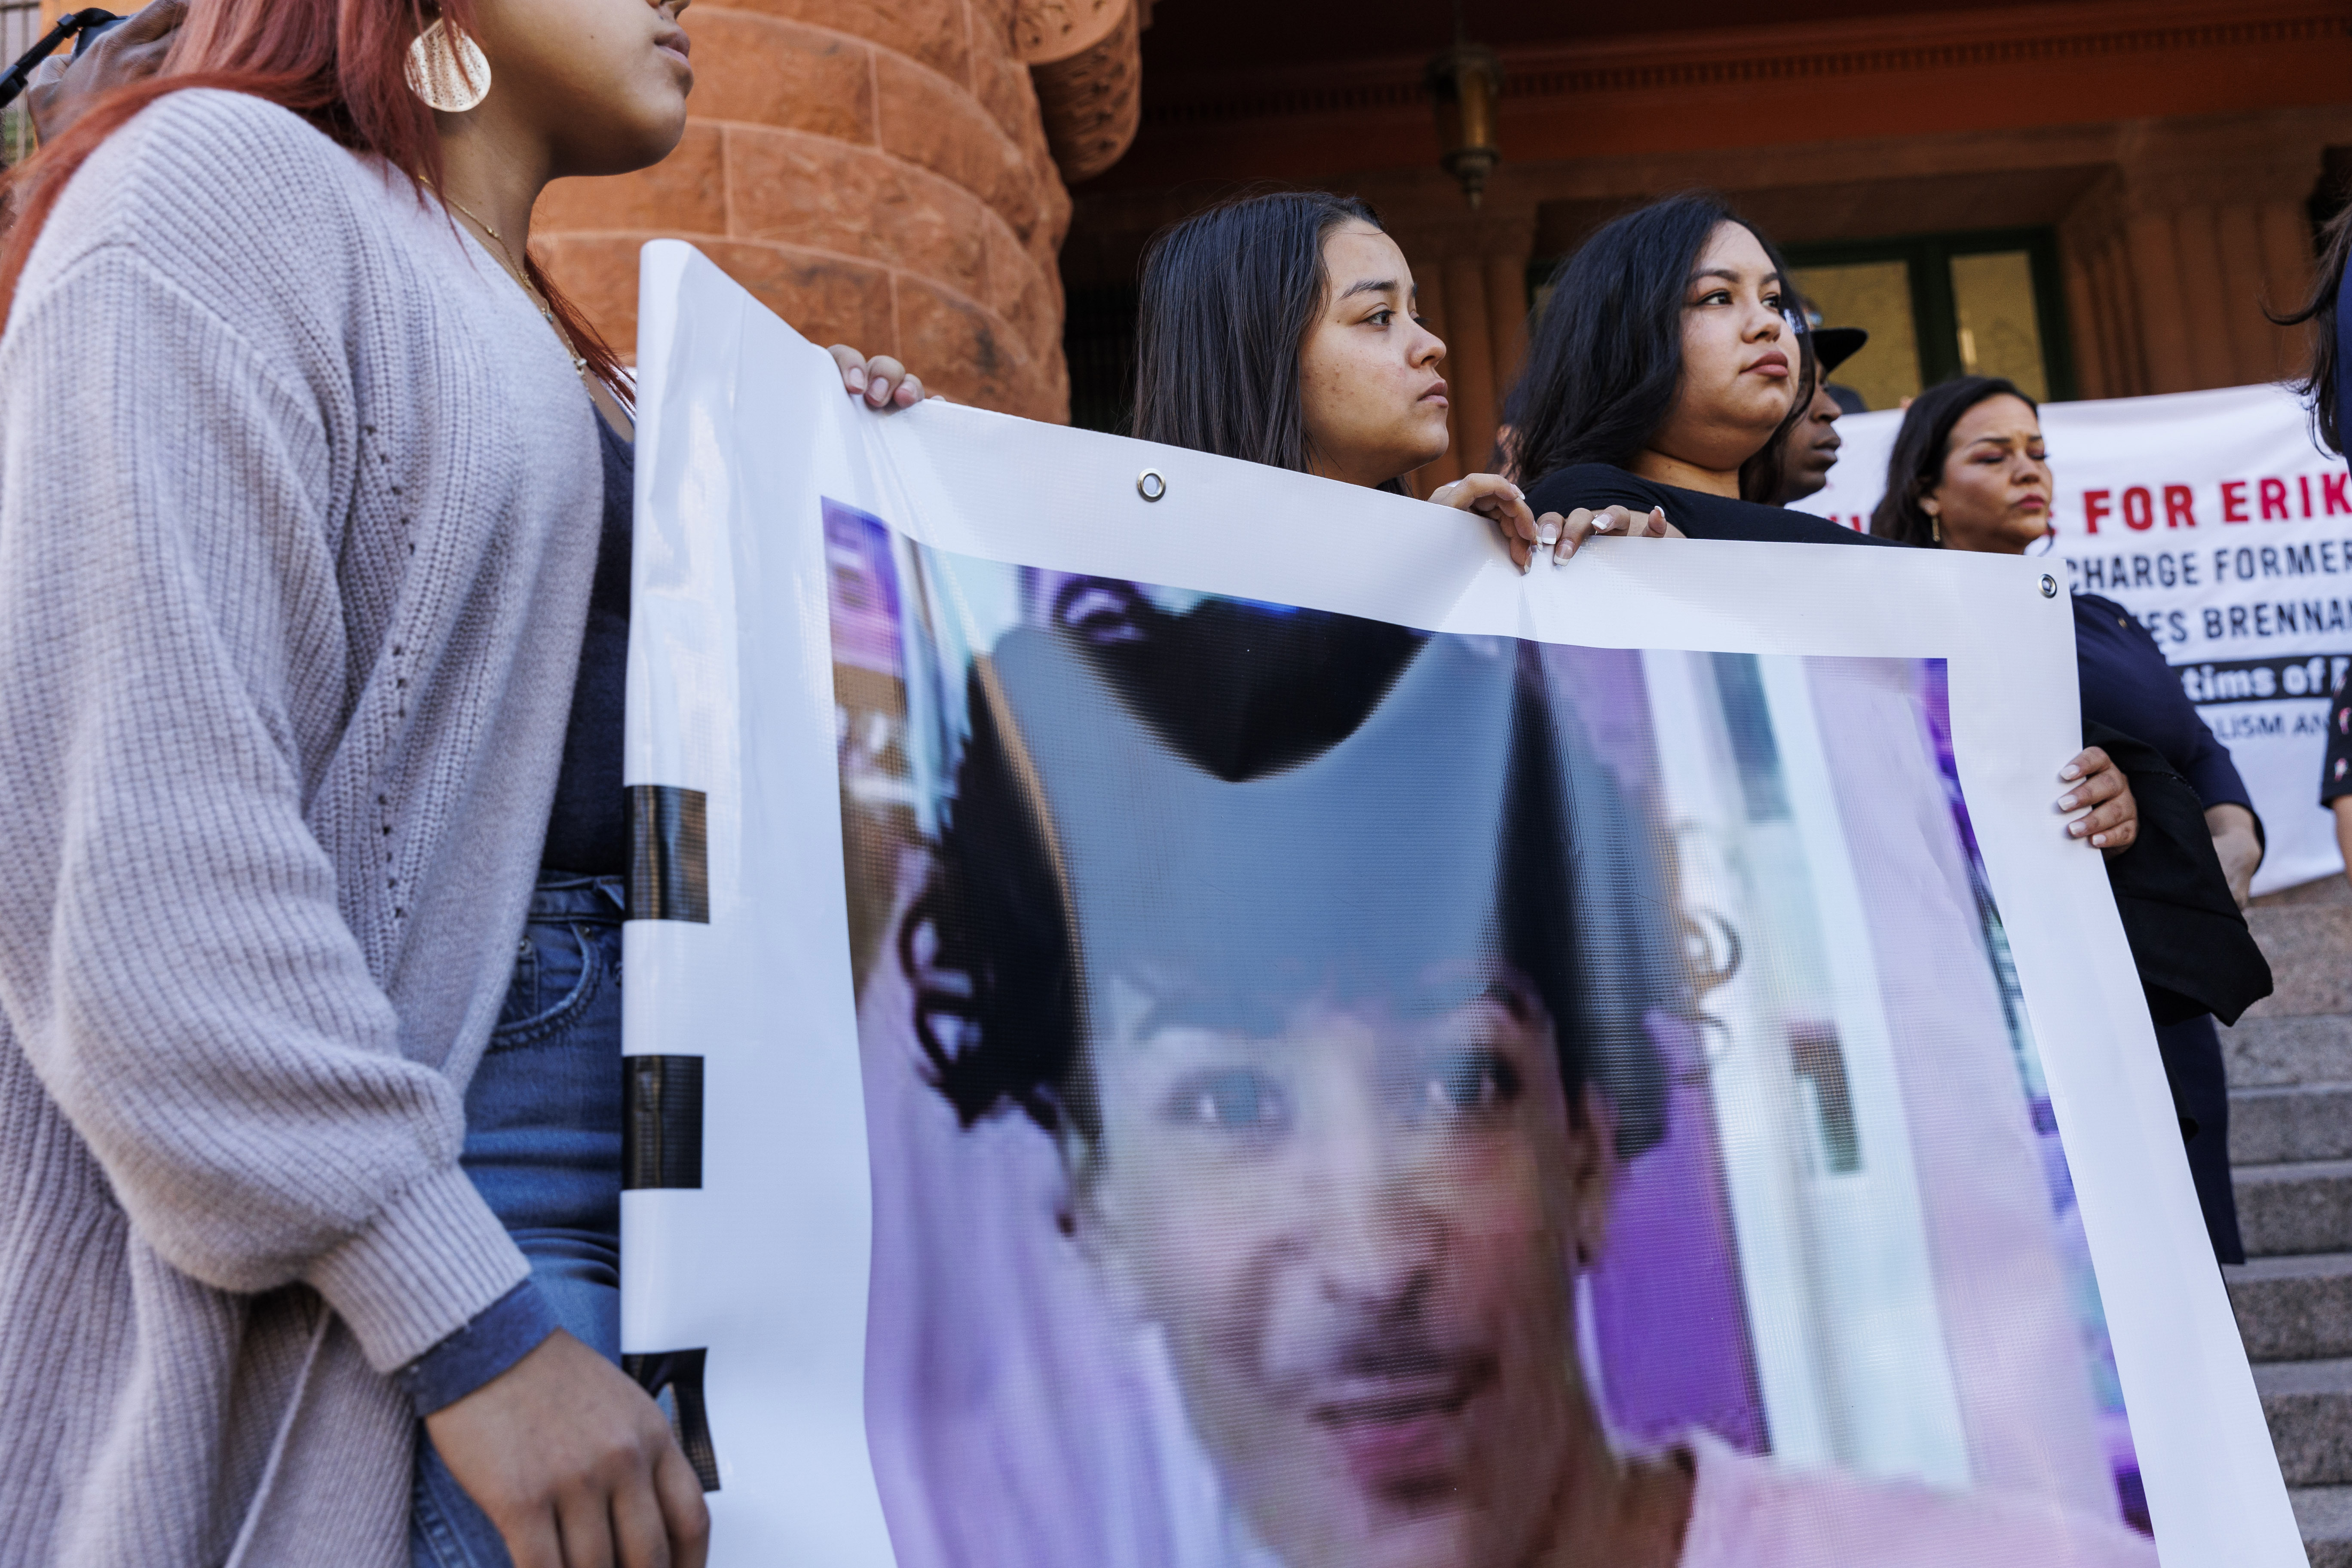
[
  {"x": 1698, "y": 514},
  {"x": 588, "y": 829}
]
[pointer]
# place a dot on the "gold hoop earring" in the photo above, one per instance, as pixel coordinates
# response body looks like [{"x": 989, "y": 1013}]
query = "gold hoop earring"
[{"x": 448, "y": 70}]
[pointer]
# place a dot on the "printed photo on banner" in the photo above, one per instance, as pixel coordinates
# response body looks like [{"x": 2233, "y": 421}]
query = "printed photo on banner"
[{"x": 1338, "y": 1094}]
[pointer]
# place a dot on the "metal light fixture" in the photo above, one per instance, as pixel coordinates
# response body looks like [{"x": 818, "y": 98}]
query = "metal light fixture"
[{"x": 1466, "y": 83}]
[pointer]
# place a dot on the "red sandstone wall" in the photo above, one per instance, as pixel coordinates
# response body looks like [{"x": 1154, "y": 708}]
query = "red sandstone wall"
[{"x": 875, "y": 171}]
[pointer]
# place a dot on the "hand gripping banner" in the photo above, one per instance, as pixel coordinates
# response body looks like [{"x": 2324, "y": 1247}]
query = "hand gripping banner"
[{"x": 1186, "y": 1015}]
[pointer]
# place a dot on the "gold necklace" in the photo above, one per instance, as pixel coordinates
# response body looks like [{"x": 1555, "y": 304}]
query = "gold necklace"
[{"x": 546, "y": 311}]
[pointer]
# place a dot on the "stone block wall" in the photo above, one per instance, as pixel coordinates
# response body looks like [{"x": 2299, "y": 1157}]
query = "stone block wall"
[{"x": 876, "y": 172}]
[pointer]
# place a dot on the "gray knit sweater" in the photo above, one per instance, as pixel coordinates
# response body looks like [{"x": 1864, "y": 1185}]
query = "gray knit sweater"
[{"x": 298, "y": 513}]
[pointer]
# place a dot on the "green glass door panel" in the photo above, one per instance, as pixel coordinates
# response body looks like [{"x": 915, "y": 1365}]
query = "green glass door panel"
[
  {"x": 1987, "y": 304},
  {"x": 1999, "y": 329},
  {"x": 1876, "y": 297}
]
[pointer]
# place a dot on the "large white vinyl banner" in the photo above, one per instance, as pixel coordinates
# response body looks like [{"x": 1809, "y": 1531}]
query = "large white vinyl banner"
[
  {"x": 1186, "y": 1015},
  {"x": 2213, "y": 518}
]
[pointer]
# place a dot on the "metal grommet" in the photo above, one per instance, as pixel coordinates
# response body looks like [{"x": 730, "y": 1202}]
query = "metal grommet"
[
  {"x": 1149, "y": 485},
  {"x": 2049, "y": 586}
]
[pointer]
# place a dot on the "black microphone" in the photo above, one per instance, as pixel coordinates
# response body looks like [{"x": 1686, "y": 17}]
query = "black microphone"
[{"x": 89, "y": 24}]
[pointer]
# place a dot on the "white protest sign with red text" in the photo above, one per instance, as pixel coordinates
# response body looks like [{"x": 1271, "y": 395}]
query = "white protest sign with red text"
[{"x": 2213, "y": 518}]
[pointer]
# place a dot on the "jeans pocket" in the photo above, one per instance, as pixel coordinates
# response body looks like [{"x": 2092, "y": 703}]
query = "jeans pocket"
[{"x": 557, "y": 953}]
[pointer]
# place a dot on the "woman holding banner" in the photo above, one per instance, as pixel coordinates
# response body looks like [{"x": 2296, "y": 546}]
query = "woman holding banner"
[
  {"x": 1660, "y": 373},
  {"x": 1667, "y": 366},
  {"x": 1968, "y": 472},
  {"x": 1281, "y": 328}
]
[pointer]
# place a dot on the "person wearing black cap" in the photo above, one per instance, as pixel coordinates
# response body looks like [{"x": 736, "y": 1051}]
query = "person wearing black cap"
[
  {"x": 1661, "y": 375},
  {"x": 1836, "y": 345},
  {"x": 1808, "y": 448}
]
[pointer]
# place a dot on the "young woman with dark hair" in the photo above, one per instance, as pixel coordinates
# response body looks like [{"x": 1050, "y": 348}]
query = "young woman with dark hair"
[
  {"x": 1659, "y": 379},
  {"x": 1281, "y": 328},
  {"x": 1968, "y": 471},
  {"x": 315, "y": 1168},
  {"x": 1662, "y": 373}
]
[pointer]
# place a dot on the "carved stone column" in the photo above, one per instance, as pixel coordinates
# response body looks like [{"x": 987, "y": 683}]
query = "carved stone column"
[
  {"x": 876, "y": 174},
  {"x": 1472, "y": 271},
  {"x": 1087, "y": 60},
  {"x": 1506, "y": 315},
  {"x": 2101, "y": 297},
  {"x": 2171, "y": 263},
  {"x": 1470, "y": 361}
]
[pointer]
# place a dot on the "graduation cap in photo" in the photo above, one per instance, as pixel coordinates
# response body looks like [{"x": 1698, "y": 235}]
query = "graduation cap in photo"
[{"x": 1256, "y": 807}]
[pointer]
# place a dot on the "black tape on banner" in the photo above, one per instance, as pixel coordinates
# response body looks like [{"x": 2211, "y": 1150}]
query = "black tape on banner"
[
  {"x": 661, "y": 1126},
  {"x": 669, "y": 854},
  {"x": 680, "y": 1372}
]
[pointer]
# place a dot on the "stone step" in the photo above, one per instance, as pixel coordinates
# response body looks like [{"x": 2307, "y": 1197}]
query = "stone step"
[
  {"x": 2293, "y": 1309},
  {"x": 2331, "y": 889},
  {"x": 2265, "y": 1050},
  {"x": 2323, "y": 1514},
  {"x": 2303, "y": 1208},
  {"x": 2291, "y": 1122},
  {"x": 2305, "y": 944},
  {"x": 2309, "y": 1406}
]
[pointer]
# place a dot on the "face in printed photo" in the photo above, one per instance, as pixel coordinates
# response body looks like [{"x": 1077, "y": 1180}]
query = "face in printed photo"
[{"x": 1359, "y": 1234}]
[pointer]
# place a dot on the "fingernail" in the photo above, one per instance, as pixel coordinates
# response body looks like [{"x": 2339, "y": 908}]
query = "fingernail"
[
  {"x": 2070, "y": 772},
  {"x": 1548, "y": 534},
  {"x": 2066, "y": 803},
  {"x": 2075, "y": 829},
  {"x": 2098, "y": 840},
  {"x": 856, "y": 379}
]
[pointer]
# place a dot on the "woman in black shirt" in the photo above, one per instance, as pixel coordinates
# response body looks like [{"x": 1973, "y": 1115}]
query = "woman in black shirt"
[
  {"x": 1666, "y": 366},
  {"x": 1669, "y": 359},
  {"x": 1283, "y": 329}
]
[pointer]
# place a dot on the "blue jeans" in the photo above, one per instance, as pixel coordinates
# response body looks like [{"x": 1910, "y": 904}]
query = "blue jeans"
[{"x": 544, "y": 1145}]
